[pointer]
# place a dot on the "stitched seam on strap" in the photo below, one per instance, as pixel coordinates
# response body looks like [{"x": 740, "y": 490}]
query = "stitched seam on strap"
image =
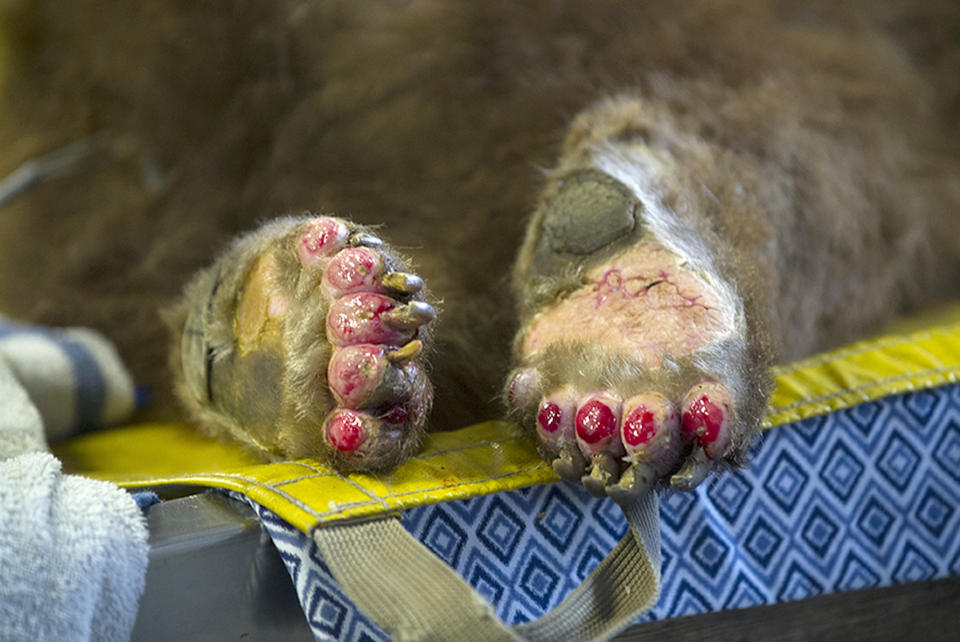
[
  {"x": 870, "y": 346},
  {"x": 468, "y": 483},
  {"x": 866, "y": 386},
  {"x": 463, "y": 484}
]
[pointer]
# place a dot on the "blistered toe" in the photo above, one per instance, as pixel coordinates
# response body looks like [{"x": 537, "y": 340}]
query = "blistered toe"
[
  {"x": 320, "y": 238},
  {"x": 708, "y": 418},
  {"x": 364, "y": 318},
  {"x": 598, "y": 424},
  {"x": 362, "y": 377},
  {"x": 355, "y": 269},
  {"x": 523, "y": 387}
]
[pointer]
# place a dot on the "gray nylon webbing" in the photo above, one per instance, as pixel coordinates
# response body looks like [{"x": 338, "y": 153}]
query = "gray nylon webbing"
[
  {"x": 413, "y": 595},
  {"x": 623, "y": 587},
  {"x": 403, "y": 587}
]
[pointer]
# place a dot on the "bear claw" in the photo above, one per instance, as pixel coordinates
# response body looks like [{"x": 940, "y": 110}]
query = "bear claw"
[{"x": 569, "y": 462}]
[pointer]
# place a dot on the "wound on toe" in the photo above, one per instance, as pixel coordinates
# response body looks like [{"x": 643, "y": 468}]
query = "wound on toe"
[
  {"x": 639, "y": 427},
  {"x": 704, "y": 422},
  {"x": 598, "y": 424},
  {"x": 345, "y": 430},
  {"x": 358, "y": 318},
  {"x": 550, "y": 417},
  {"x": 589, "y": 210},
  {"x": 321, "y": 238},
  {"x": 355, "y": 269},
  {"x": 650, "y": 432}
]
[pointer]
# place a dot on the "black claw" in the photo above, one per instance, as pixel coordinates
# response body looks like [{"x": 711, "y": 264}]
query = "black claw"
[
  {"x": 409, "y": 316},
  {"x": 362, "y": 239},
  {"x": 695, "y": 469},
  {"x": 634, "y": 481},
  {"x": 570, "y": 463},
  {"x": 393, "y": 385}
]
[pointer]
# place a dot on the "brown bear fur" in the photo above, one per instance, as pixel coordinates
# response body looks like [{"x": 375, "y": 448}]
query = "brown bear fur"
[{"x": 817, "y": 143}]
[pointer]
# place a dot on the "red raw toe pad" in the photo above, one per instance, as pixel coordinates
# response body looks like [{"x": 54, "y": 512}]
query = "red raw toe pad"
[
  {"x": 555, "y": 418},
  {"x": 359, "y": 318},
  {"x": 639, "y": 427},
  {"x": 355, "y": 269},
  {"x": 549, "y": 417},
  {"x": 322, "y": 237},
  {"x": 345, "y": 430},
  {"x": 651, "y": 431},
  {"x": 707, "y": 417},
  {"x": 598, "y": 423}
]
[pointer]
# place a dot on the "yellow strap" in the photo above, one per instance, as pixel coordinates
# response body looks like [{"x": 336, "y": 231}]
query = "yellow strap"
[{"x": 485, "y": 458}]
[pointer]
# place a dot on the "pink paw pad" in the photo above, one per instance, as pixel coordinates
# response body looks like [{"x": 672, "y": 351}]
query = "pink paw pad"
[
  {"x": 523, "y": 388},
  {"x": 354, "y": 437},
  {"x": 355, "y": 269},
  {"x": 364, "y": 318},
  {"x": 345, "y": 430},
  {"x": 651, "y": 431},
  {"x": 363, "y": 376},
  {"x": 707, "y": 416},
  {"x": 598, "y": 425},
  {"x": 555, "y": 418},
  {"x": 321, "y": 238}
]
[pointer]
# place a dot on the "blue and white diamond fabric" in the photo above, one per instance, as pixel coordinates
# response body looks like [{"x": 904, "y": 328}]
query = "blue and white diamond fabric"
[{"x": 864, "y": 497}]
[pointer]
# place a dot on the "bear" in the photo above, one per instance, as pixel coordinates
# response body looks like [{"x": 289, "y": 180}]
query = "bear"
[{"x": 606, "y": 221}]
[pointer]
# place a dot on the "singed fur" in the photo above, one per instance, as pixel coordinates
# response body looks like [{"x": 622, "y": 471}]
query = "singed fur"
[{"x": 810, "y": 147}]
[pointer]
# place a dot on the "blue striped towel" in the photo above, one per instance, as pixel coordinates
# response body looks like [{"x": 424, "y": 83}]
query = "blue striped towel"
[{"x": 73, "y": 376}]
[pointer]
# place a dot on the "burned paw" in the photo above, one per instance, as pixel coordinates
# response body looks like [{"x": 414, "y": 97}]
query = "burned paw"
[
  {"x": 623, "y": 358},
  {"x": 308, "y": 338}
]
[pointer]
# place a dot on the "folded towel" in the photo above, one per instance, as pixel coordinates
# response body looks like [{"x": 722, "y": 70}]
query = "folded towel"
[
  {"x": 73, "y": 551},
  {"x": 73, "y": 554}
]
